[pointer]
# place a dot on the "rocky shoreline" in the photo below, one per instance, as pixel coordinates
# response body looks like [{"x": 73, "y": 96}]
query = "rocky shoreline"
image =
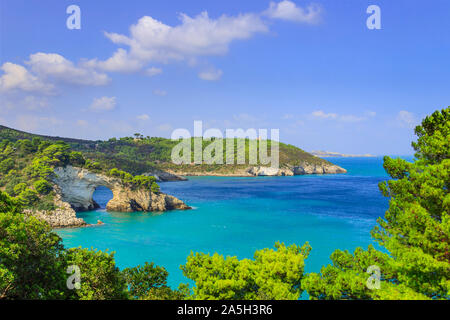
[
  {"x": 63, "y": 217},
  {"x": 268, "y": 171}
]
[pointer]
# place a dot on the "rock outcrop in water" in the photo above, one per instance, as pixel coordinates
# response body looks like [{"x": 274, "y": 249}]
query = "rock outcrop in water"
[{"x": 75, "y": 187}]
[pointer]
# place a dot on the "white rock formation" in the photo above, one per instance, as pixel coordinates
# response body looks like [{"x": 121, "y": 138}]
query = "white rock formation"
[
  {"x": 74, "y": 188},
  {"x": 295, "y": 170}
]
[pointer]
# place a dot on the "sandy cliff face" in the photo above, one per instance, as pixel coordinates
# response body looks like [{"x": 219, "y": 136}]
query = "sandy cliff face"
[{"x": 75, "y": 187}]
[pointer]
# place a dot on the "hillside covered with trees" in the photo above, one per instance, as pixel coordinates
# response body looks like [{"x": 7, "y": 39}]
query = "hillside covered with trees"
[
  {"x": 139, "y": 154},
  {"x": 27, "y": 167}
]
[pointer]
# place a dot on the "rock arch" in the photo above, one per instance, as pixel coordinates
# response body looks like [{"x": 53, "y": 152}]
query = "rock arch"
[{"x": 77, "y": 186}]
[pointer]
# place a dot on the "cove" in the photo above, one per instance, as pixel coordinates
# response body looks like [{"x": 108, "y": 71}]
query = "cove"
[{"x": 236, "y": 216}]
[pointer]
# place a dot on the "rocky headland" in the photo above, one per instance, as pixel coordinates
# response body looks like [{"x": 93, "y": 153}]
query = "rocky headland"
[{"x": 253, "y": 171}]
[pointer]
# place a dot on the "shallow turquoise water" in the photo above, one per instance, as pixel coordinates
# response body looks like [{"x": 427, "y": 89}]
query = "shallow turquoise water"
[{"x": 236, "y": 216}]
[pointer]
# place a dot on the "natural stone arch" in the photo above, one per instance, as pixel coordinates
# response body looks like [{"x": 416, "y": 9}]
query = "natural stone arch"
[
  {"x": 101, "y": 196},
  {"x": 77, "y": 186}
]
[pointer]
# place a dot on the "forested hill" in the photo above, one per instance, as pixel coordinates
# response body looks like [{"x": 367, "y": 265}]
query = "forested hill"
[{"x": 141, "y": 154}]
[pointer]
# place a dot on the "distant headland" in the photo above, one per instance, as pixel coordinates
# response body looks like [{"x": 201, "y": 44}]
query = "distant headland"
[{"x": 330, "y": 154}]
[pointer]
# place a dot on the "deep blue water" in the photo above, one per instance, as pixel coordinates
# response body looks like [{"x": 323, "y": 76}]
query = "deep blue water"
[{"x": 236, "y": 216}]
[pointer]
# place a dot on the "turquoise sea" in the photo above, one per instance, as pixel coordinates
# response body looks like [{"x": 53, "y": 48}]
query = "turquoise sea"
[{"x": 236, "y": 216}]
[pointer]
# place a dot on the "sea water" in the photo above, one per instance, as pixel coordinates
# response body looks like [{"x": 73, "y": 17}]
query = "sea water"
[{"x": 237, "y": 216}]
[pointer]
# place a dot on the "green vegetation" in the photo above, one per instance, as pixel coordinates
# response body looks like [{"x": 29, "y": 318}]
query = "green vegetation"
[
  {"x": 272, "y": 275},
  {"x": 139, "y": 154},
  {"x": 34, "y": 264},
  {"x": 149, "y": 282},
  {"x": 27, "y": 166},
  {"x": 134, "y": 182},
  {"x": 31, "y": 264},
  {"x": 415, "y": 230},
  {"x": 101, "y": 278}
]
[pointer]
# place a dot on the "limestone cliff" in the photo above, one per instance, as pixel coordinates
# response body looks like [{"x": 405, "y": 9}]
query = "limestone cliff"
[
  {"x": 245, "y": 171},
  {"x": 75, "y": 187},
  {"x": 296, "y": 170}
]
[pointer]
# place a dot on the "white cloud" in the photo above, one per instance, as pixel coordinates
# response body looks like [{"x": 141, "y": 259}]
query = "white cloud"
[
  {"x": 319, "y": 114},
  {"x": 322, "y": 115},
  {"x": 153, "y": 71},
  {"x": 150, "y": 40},
  {"x": 406, "y": 118},
  {"x": 159, "y": 92},
  {"x": 288, "y": 10},
  {"x": 103, "y": 104},
  {"x": 56, "y": 67},
  {"x": 17, "y": 77},
  {"x": 118, "y": 62},
  {"x": 211, "y": 74},
  {"x": 351, "y": 118},
  {"x": 143, "y": 117}
]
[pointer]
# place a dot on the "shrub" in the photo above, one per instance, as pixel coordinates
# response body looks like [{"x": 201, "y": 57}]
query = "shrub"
[
  {"x": 100, "y": 277},
  {"x": 89, "y": 164},
  {"x": 41, "y": 168},
  {"x": 43, "y": 186},
  {"x": 6, "y": 165},
  {"x": 414, "y": 230},
  {"x": 27, "y": 197},
  {"x": 149, "y": 282},
  {"x": 76, "y": 158},
  {"x": 19, "y": 188},
  {"x": 58, "y": 153},
  {"x": 272, "y": 275},
  {"x": 31, "y": 267},
  {"x": 155, "y": 188}
]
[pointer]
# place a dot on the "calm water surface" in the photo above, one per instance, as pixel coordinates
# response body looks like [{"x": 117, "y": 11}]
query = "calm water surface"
[{"x": 236, "y": 216}]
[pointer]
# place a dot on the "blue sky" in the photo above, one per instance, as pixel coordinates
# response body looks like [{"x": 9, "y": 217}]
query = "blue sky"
[{"x": 310, "y": 68}]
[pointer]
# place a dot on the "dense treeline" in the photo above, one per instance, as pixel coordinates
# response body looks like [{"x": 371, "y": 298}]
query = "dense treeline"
[
  {"x": 139, "y": 154},
  {"x": 415, "y": 230},
  {"x": 26, "y": 167},
  {"x": 414, "y": 264}
]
